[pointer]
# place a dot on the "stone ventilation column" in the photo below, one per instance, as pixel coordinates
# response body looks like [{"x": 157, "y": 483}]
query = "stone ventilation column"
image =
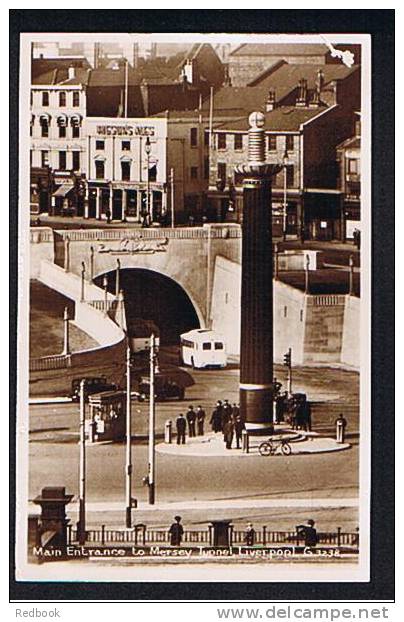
[{"x": 256, "y": 352}]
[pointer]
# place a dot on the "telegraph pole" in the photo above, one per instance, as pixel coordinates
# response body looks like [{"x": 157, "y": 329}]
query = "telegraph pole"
[
  {"x": 172, "y": 197},
  {"x": 82, "y": 483},
  {"x": 151, "y": 476},
  {"x": 128, "y": 470}
]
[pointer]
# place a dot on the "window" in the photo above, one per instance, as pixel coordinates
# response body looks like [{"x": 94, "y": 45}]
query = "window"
[
  {"x": 99, "y": 169},
  {"x": 238, "y": 142},
  {"x": 126, "y": 145},
  {"x": 290, "y": 175},
  {"x": 76, "y": 160},
  {"x": 62, "y": 131},
  {"x": 99, "y": 145},
  {"x": 206, "y": 346},
  {"x": 62, "y": 160},
  {"x": 218, "y": 345},
  {"x": 194, "y": 136},
  {"x": 153, "y": 173},
  {"x": 76, "y": 99},
  {"x": 271, "y": 142},
  {"x": 353, "y": 166},
  {"x": 289, "y": 143},
  {"x": 45, "y": 98},
  {"x": 206, "y": 168},
  {"x": 62, "y": 99},
  {"x": 206, "y": 139},
  {"x": 44, "y": 130},
  {"x": 194, "y": 172},
  {"x": 125, "y": 171},
  {"x": 221, "y": 141},
  {"x": 44, "y": 158},
  {"x": 76, "y": 131},
  {"x": 30, "y": 157},
  {"x": 221, "y": 170}
]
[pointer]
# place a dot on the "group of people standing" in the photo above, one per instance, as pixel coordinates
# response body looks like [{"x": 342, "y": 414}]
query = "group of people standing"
[
  {"x": 194, "y": 420},
  {"x": 226, "y": 419}
]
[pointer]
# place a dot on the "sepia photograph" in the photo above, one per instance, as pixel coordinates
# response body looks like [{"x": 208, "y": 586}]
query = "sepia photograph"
[{"x": 193, "y": 395}]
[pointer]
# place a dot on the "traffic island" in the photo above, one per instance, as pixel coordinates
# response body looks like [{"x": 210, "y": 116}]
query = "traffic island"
[{"x": 213, "y": 445}]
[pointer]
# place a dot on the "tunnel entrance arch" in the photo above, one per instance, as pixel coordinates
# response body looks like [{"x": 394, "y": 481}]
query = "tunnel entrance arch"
[{"x": 151, "y": 295}]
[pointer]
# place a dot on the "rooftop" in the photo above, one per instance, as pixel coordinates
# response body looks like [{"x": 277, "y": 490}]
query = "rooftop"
[
  {"x": 287, "y": 76},
  {"x": 283, "y": 119},
  {"x": 280, "y": 49}
]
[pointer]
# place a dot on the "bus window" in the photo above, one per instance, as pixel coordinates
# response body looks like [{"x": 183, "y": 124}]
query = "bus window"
[
  {"x": 206, "y": 346},
  {"x": 218, "y": 345}
]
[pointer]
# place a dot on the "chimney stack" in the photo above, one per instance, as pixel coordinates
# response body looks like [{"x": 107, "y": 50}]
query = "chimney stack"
[
  {"x": 71, "y": 72},
  {"x": 271, "y": 100},
  {"x": 301, "y": 99}
]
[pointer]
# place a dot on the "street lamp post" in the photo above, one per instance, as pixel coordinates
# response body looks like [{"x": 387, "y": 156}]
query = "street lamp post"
[
  {"x": 148, "y": 151},
  {"x": 105, "y": 286},
  {"x": 66, "y": 345},
  {"x": 128, "y": 444},
  {"x": 117, "y": 279},
  {"x": 81, "y": 527},
  {"x": 285, "y": 166},
  {"x": 152, "y": 414}
]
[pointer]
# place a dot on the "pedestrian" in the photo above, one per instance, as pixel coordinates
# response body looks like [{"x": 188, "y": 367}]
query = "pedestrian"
[
  {"x": 227, "y": 412},
  {"x": 200, "y": 420},
  {"x": 309, "y": 533},
  {"x": 280, "y": 407},
  {"x": 340, "y": 426},
  {"x": 181, "y": 425},
  {"x": 307, "y": 416},
  {"x": 228, "y": 432},
  {"x": 176, "y": 532},
  {"x": 239, "y": 426},
  {"x": 191, "y": 418},
  {"x": 236, "y": 411},
  {"x": 249, "y": 535},
  {"x": 216, "y": 418},
  {"x": 108, "y": 215}
]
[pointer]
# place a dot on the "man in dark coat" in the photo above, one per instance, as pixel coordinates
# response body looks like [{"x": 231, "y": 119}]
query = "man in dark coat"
[
  {"x": 228, "y": 432},
  {"x": 226, "y": 412},
  {"x": 176, "y": 532},
  {"x": 216, "y": 418},
  {"x": 200, "y": 420},
  {"x": 181, "y": 425},
  {"x": 191, "y": 418},
  {"x": 239, "y": 426},
  {"x": 309, "y": 533}
]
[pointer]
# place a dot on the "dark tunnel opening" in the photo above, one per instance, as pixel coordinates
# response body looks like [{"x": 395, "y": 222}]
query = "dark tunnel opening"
[{"x": 153, "y": 296}]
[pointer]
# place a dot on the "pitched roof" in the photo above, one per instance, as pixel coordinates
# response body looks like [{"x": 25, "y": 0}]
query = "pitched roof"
[
  {"x": 287, "y": 76},
  {"x": 280, "y": 49},
  {"x": 282, "y": 119},
  {"x": 238, "y": 98},
  {"x": 60, "y": 76},
  {"x": 353, "y": 143}
]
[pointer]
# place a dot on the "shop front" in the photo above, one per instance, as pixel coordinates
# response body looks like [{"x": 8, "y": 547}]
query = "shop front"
[
  {"x": 40, "y": 190},
  {"x": 64, "y": 196}
]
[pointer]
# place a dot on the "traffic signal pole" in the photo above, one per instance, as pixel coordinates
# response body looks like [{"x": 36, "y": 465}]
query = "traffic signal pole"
[{"x": 287, "y": 361}]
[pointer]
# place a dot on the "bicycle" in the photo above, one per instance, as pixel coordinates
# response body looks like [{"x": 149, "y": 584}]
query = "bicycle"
[{"x": 269, "y": 447}]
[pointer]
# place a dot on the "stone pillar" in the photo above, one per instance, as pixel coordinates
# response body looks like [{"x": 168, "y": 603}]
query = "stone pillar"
[
  {"x": 53, "y": 501},
  {"x": 66, "y": 344},
  {"x": 124, "y": 204},
  {"x": 98, "y": 205},
  {"x": 138, "y": 204},
  {"x": 256, "y": 347},
  {"x": 67, "y": 254},
  {"x": 111, "y": 197}
]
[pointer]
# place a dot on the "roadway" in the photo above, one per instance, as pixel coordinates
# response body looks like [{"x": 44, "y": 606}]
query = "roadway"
[{"x": 54, "y": 454}]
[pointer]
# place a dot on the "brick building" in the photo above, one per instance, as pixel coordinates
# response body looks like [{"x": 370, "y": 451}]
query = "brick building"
[{"x": 349, "y": 160}]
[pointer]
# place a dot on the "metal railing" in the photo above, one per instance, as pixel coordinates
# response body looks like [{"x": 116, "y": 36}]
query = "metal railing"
[
  {"x": 140, "y": 535},
  {"x": 57, "y": 361}
]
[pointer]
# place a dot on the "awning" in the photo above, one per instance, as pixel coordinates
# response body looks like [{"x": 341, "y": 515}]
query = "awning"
[
  {"x": 62, "y": 120},
  {"x": 63, "y": 190},
  {"x": 76, "y": 119}
]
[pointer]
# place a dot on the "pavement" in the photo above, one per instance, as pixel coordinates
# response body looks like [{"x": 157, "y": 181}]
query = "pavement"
[{"x": 212, "y": 445}]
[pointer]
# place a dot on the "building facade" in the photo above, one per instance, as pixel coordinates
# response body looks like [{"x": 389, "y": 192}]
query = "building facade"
[
  {"x": 349, "y": 161},
  {"x": 58, "y": 143}
]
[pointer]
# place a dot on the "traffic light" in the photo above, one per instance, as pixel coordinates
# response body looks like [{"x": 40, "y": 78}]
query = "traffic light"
[{"x": 287, "y": 359}]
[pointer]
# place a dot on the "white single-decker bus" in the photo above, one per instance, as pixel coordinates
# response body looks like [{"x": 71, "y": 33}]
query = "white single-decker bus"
[{"x": 203, "y": 348}]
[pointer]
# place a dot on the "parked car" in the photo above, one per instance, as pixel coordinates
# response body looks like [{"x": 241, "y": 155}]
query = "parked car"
[
  {"x": 169, "y": 382},
  {"x": 93, "y": 385}
]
